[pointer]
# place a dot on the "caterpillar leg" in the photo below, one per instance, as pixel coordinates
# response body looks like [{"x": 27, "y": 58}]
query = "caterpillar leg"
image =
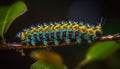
[
  {"x": 94, "y": 37},
  {"x": 26, "y": 42},
  {"x": 45, "y": 38},
  {"x": 56, "y": 42},
  {"x": 73, "y": 36},
  {"x": 32, "y": 39},
  {"x": 67, "y": 40},
  {"x": 57, "y": 37},
  {"x": 89, "y": 41},
  {"x": 87, "y": 36},
  {"x": 68, "y": 36},
  {"x": 38, "y": 37},
  {"x": 45, "y": 42},
  {"x": 78, "y": 36},
  {"x": 78, "y": 39},
  {"x": 33, "y": 42}
]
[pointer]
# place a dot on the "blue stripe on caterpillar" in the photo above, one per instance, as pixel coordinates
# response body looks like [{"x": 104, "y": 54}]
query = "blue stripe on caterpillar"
[{"x": 58, "y": 32}]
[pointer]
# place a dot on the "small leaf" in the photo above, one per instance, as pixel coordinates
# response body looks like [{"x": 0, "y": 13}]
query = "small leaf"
[
  {"x": 9, "y": 14},
  {"x": 45, "y": 65},
  {"x": 99, "y": 51}
]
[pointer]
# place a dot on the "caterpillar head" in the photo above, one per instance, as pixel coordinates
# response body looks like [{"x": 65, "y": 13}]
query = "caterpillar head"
[
  {"x": 98, "y": 30},
  {"x": 98, "y": 27},
  {"x": 22, "y": 36},
  {"x": 100, "y": 24}
]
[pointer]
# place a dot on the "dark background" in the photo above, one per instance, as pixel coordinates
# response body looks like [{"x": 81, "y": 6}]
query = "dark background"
[{"x": 40, "y": 11}]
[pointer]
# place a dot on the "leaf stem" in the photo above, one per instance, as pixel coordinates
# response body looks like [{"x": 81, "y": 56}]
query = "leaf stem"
[
  {"x": 3, "y": 40},
  {"x": 82, "y": 64}
]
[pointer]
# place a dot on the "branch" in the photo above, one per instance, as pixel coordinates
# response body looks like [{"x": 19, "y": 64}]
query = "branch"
[
  {"x": 114, "y": 37},
  {"x": 9, "y": 46}
]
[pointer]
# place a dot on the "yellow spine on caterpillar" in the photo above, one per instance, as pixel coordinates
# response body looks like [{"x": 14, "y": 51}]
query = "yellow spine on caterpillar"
[
  {"x": 83, "y": 29},
  {"x": 40, "y": 29},
  {"x": 75, "y": 27},
  {"x": 52, "y": 28},
  {"x": 57, "y": 27},
  {"x": 98, "y": 27},
  {"x": 90, "y": 31},
  {"x": 33, "y": 30},
  {"x": 46, "y": 28},
  {"x": 27, "y": 32},
  {"x": 70, "y": 26},
  {"x": 64, "y": 26}
]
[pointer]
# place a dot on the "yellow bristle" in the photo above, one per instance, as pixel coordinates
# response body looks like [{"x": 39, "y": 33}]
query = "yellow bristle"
[{"x": 22, "y": 36}]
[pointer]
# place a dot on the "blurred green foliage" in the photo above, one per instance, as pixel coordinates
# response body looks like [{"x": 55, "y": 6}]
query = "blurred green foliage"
[
  {"x": 8, "y": 14},
  {"x": 99, "y": 51},
  {"x": 45, "y": 65},
  {"x": 102, "y": 50}
]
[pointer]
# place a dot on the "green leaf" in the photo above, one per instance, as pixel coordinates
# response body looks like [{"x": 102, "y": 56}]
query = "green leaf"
[
  {"x": 100, "y": 51},
  {"x": 8, "y": 14},
  {"x": 45, "y": 65}
]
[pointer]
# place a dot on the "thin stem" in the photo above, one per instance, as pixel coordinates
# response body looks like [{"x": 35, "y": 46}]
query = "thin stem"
[
  {"x": 3, "y": 40},
  {"x": 82, "y": 64}
]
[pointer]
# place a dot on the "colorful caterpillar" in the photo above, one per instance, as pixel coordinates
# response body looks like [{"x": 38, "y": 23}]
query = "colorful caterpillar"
[{"x": 60, "y": 32}]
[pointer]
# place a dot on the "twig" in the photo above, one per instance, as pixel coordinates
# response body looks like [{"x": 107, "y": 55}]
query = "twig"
[
  {"x": 110, "y": 37},
  {"x": 9, "y": 46}
]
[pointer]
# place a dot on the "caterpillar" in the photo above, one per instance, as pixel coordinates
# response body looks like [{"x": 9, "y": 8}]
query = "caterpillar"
[{"x": 60, "y": 32}]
